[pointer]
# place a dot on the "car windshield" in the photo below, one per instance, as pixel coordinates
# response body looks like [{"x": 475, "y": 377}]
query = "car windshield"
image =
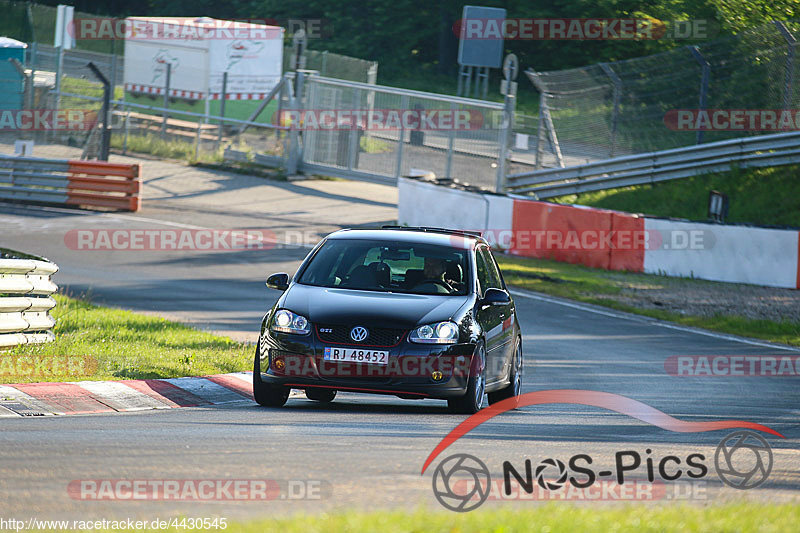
[{"x": 389, "y": 266}]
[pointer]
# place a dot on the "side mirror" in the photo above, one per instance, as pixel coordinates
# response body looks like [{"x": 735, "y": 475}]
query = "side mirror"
[
  {"x": 496, "y": 297},
  {"x": 279, "y": 281}
]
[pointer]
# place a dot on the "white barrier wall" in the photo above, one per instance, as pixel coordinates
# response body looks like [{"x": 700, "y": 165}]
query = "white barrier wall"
[
  {"x": 736, "y": 254},
  {"x": 426, "y": 204}
]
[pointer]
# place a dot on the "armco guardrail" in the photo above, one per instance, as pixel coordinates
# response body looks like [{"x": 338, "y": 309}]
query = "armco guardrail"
[
  {"x": 758, "y": 151},
  {"x": 25, "y": 301},
  {"x": 61, "y": 181}
]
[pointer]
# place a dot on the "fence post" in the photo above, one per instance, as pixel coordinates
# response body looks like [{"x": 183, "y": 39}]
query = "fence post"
[
  {"x": 451, "y": 141},
  {"x": 788, "y": 82},
  {"x": 354, "y": 137},
  {"x": 223, "y": 96},
  {"x": 539, "y": 131},
  {"x": 127, "y": 130},
  {"x": 106, "y": 137},
  {"x": 166, "y": 100},
  {"x": 615, "y": 114},
  {"x": 509, "y": 89},
  {"x": 706, "y": 72},
  {"x": 294, "y": 134},
  {"x": 401, "y": 140}
]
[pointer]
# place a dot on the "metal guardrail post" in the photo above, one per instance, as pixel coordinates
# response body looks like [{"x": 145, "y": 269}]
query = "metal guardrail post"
[
  {"x": 165, "y": 115},
  {"x": 105, "y": 141},
  {"x": 788, "y": 83},
  {"x": 706, "y": 74},
  {"x": 615, "y": 114}
]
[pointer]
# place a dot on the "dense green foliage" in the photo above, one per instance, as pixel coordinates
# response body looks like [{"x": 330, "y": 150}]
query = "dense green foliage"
[{"x": 410, "y": 37}]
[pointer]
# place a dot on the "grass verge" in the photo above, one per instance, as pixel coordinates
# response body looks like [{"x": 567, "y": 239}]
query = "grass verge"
[
  {"x": 752, "y": 194},
  {"x": 128, "y": 345},
  {"x": 551, "y": 518},
  {"x": 614, "y": 289}
]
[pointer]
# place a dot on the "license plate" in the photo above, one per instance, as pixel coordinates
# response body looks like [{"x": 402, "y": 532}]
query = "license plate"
[{"x": 356, "y": 355}]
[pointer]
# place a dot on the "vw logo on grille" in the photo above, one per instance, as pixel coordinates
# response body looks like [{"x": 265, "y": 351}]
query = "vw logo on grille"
[{"x": 359, "y": 333}]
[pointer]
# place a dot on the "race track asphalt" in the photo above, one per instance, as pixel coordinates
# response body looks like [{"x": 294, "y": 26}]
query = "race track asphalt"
[{"x": 364, "y": 452}]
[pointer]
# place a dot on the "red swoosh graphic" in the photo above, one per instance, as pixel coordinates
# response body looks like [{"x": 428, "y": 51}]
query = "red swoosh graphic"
[{"x": 606, "y": 400}]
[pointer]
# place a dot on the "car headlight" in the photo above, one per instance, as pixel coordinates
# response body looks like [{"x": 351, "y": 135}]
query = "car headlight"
[
  {"x": 288, "y": 322},
  {"x": 439, "y": 333}
]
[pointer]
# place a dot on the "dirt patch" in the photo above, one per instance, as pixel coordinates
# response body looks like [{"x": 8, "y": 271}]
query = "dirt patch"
[{"x": 692, "y": 297}]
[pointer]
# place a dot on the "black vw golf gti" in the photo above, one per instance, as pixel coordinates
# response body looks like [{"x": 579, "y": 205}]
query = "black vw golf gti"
[{"x": 412, "y": 312}]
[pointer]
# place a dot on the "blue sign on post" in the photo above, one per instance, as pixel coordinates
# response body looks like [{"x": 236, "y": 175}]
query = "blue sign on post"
[{"x": 480, "y": 39}]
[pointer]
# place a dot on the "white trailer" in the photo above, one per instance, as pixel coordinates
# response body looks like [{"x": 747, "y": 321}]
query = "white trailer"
[{"x": 200, "y": 51}]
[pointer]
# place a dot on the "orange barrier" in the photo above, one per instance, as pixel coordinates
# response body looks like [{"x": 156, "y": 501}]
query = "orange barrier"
[
  {"x": 103, "y": 184},
  {"x": 592, "y": 237}
]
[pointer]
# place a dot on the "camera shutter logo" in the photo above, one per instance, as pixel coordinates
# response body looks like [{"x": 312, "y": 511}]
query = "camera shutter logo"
[
  {"x": 359, "y": 333},
  {"x": 455, "y": 469},
  {"x": 743, "y": 460},
  {"x": 550, "y": 484}
]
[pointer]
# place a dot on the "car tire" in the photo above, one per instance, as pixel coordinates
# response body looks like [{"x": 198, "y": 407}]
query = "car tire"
[
  {"x": 514, "y": 386},
  {"x": 267, "y": 395},
  {"x": 472, "y": 402},
  {"x": 321, "y": 395}
]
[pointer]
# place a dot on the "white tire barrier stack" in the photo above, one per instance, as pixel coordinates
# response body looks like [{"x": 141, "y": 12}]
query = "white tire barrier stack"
[{"x": 25, "y": 301}]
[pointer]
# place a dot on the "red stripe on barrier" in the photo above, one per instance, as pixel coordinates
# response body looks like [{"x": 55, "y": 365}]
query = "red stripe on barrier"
[
  {"x": 234, "y": 384},
  {"x": 163, "y": 390},
  {"x": 555, "y": 222},
  {"x": 629, "y": 243},
  {"x": 102, "y": 168},
  {"x": 66, "y": 397},
  {"x": 105, "y": 185},
  {"x": 129, "y": 203}
]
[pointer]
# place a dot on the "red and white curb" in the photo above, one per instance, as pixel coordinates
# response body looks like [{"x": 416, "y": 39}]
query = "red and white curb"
[{"x": 85, "y": 397}]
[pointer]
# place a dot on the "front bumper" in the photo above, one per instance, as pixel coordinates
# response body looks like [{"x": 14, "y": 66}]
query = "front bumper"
[{"x": 412, "y": 370}]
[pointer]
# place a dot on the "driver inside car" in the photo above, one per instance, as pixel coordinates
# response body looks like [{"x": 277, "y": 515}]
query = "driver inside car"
[{"x": 434, "y": 281}]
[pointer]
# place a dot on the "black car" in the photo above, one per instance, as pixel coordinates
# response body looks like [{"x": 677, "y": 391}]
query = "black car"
[{"x": 412, "y": 312}]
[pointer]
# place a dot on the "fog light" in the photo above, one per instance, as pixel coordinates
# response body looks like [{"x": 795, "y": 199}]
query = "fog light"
[
  {"x": 279, "y": 364},
  {"x": 436, "y": 375}
]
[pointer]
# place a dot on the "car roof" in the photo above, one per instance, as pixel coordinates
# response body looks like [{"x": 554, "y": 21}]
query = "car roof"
[{"x": 435, "y": 236}]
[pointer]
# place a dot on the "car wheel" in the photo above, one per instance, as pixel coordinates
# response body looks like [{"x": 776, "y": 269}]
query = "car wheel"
[
  {"x": 514, "y": 386},
  {"x": 472, "y": 401},
  {"x": 321, "y": 395},
  {"x": 265, "y": 394}
]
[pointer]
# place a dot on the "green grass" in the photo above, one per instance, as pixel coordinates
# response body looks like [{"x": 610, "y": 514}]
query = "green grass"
[
  {"x": 549, "y": 518},
  {"x": 598, "y": 286},
  {"x": 152, "y": 144},
  {"x": 127, "y": 345},
  {"x": 764, "y": 196}
]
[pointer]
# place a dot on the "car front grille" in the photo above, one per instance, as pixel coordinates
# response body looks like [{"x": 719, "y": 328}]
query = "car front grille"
[{"x": 379, "y": 337}]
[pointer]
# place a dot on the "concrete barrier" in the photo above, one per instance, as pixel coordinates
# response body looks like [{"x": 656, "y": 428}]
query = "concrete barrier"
[{"x": 608, "y": 239}]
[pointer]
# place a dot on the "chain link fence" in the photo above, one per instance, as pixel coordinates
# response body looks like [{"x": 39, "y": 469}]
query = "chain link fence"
[
  {"x": 468, "y": 149},
  {"x": 615, "y": 109}
]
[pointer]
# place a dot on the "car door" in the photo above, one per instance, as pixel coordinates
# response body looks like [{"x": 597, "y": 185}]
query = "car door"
[
  {"x": 490, "y": 317},
  {"x": 508, "y": 312}
]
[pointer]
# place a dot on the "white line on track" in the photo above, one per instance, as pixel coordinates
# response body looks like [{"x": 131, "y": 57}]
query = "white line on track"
[{"x": 650, "y": 321}]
